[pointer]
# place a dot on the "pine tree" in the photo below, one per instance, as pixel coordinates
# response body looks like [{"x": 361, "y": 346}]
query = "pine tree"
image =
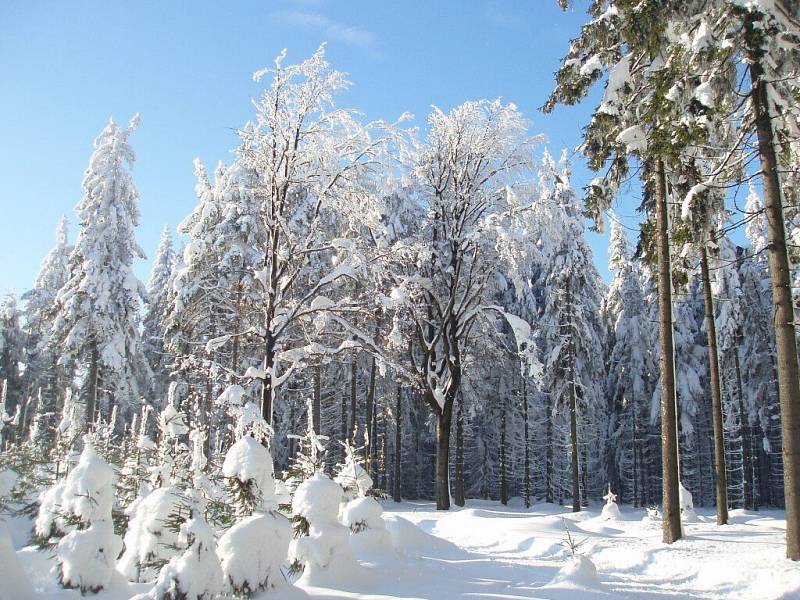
[
  {"x": 97, "y": 322},
  {"x": 158, "y": 289}
]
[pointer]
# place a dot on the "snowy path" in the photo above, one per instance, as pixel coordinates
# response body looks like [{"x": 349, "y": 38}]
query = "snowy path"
[{"x": 511, "y": 553}]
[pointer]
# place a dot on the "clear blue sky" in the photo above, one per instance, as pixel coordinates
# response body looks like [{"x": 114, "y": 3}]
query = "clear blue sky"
[{"x": 186, "y": 67}]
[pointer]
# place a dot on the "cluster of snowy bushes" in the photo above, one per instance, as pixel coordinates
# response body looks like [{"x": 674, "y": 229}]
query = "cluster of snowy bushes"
[{"x": 160, "y": 513}]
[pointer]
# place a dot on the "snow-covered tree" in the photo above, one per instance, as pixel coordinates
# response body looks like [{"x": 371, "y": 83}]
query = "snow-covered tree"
[
  {"x": 42, "y": 369},
  {"x": 573, "y": 332},
  {"x": 87, "y": 553},
  {"x": 249, "y": 565},
  {"x": 12, "y": 347},
  {"x": 97, "y": 322},
  {"x": 443, "y": 272},
  {"x": 158, "y": 288}
]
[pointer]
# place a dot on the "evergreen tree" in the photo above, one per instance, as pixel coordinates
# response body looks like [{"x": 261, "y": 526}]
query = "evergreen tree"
[{"x": 97, "y": 320}]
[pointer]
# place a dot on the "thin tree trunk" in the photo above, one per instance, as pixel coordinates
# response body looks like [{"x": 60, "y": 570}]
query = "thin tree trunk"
[
  {"x": 398, "y": 444},
  {"x": 573, "y": 413},
  {"x": 720, "y": 475},
  {"x": 669, "y": 439},
  {"x": 317, "y": 399},
  {"x": 91, "y": 399},
  {"x": 369, "y": 420},
  {"x": 353, "y": 399},
  {"x": 503, "y": 466},
  {"x": 266, "y": 387},
  {"x": 785, "y": 341},
  {"x": 744, "y": 434},
  {"x": 458, "y": 498},
  {"x": 549, "y": 450},
  {"x": 526, "y": 478}
]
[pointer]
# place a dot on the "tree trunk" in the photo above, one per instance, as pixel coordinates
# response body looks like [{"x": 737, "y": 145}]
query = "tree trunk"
[
  {"x": 91, "y": 396},
  {"x": 669, "y": 439},
  {"x": 744, "y": 433},
  {"x": 317, "y": 399},
  {"x": 503, "y": 466},
  {"x": 785, "y": 341},
  {"x": 548, "y": 461},
  {"x": 369, "y": 417},
  {"x": 573, "y": 414},
  {"x": 458, "y": 498},
  {"x": 443, "y": 423},
  {"x": 720, "y": 475},
  {"x": 266, "y": 388},
  {"x": 526, "y": 477},
  {"x": 398, "y": 444},
  {"x": 353, "y": 400}
]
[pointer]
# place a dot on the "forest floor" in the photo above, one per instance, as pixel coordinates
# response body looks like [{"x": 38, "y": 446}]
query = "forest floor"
[{"x": 487, "y": 551}]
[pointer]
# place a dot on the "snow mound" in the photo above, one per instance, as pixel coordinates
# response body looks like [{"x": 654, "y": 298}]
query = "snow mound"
[
  {"x": 253, "y": 550},
  {"x": 411, "y": 541},
  {"x": 579, "y": 572},
  {"x": 370, "y": 539},
  {"x": 15, "y": 583}
]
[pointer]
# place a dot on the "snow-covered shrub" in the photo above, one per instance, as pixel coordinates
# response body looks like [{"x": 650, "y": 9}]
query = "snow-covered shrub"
[
  {"x": 87, "y": 553},
  {"x": 326, "y": 545},
  {"x": 195, "y": 574},
  {"x": 369, "y": 533},
  {"x": 610, "y": 509},
  {"x": 579, "y": 572},
  {"x": 150, "y": 538},
  {"x": 353, "y": 478},
  {"x": 49, "y": 525},
  {"x": 687, "y": 504},
  {"x": 253, "y": 550}
]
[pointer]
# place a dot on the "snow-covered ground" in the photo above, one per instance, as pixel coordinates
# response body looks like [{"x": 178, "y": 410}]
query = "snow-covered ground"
[{"x": 490, "y": 551}]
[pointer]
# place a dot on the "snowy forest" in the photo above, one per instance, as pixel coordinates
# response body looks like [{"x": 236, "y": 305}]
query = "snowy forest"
[{"x": 357, "y": 314}]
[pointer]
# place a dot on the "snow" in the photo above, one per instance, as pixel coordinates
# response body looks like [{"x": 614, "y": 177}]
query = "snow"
[
  {"x": 253, "y": 550},
  {"x": 487, "y": 550},
  {"x": 88, "y": 556},
  {"x": 15, "y": 585},
  {"x": 148, "y": 538},
  {"x": 249, "y": 460},
  {"x": 633, "y": 138},
  {"x": 579, "y": 572}
]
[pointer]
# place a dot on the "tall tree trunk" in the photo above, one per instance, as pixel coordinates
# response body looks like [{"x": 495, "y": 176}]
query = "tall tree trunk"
[
  {"x": 398, "y": 443},
  {"x": 744, "y": 430},
  {"x": 785, "y": 341},
  {"x": 548, "y": 460},
  {"x": 526, "y": 477},
  {"x": 720, "y": 475},
  {"x": 669, "y": 437},
  {"x": 443, "y": 422},
  {"x": 635, "y": 448},
  {"x": 458, "y": 498},
  {"x": 91, "y": 395},
  {"x": 267, "y": 393},
  {"x": 369, "y": 417},
  {"x": 503, "y": 465},
  {"x": 353, "y": 399},
  {"x": 317, "y": 399},
  {"x": 573, "y": 411}
]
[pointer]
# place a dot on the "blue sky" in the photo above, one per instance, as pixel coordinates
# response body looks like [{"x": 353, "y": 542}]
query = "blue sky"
[{"x": 66, "y": 67}]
